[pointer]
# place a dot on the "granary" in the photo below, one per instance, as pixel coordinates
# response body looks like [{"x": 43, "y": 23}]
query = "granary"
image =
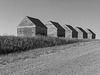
[
  {"x": 70, "y": 32},
  {"x": 89, "y": 34},
  {"x": 54, "y": 29},
  {"x": 31, "y": 27},
  {"x": 93, "y": 34},
  {"x": 81, "y": 33}
]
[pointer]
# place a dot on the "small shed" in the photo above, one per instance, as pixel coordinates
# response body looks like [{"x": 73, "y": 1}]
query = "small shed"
[
  {"x": 89, "y": 34},
  {"x": 55, "y": 29},
  {"x": 70, "y": 32},
  {"x": 31, "y": 27},
  {"x": 81, "y": 33},
  {"x": 93, "y": 34}
]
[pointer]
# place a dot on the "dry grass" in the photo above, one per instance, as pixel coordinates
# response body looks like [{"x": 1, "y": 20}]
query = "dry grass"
[
  {"x": 32, "y": 54},
  {"x": 10, "y": 45},
  {"x": 66, "y": 59},
  {"x": 14, "y": 44}
]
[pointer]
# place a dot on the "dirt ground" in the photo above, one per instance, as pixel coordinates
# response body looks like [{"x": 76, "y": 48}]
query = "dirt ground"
[{"x": 77, "y": 59}]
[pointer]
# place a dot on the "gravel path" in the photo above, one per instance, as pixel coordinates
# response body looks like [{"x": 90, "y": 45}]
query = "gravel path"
[{"x": 83, "y": 59}]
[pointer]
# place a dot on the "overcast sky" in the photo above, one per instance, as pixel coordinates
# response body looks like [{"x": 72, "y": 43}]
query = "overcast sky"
[{"x": 83, "y": 13}]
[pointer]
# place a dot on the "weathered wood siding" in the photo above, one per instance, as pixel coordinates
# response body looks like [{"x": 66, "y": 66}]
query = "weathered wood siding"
[
  {"x": 26, "y": 28},
  {"x": 29, "y": 29},
  {"x": 26, "y": 31},
  {"x": 93, "y": 34},
  {"x": 68, "y": 32},
  {"x": 74, "y": 32},
  {"x": 84, "y": 32},
  {"x": 89, "y": 34},
  {"x": 55, "y": 29},
  {"x": 41, "y": 31},
  {"x": 26, "y": 22},
  {"x": 60, "y": 33},
  {"x": 80, "y": 33},
  {"x": 51, "y": 30}
]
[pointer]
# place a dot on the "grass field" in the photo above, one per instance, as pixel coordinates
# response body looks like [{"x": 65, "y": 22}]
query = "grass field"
[
  {"x": 13, "y": 44},
  {"x": 15, "y": 49},
  {"x": 58, "y": 60}
]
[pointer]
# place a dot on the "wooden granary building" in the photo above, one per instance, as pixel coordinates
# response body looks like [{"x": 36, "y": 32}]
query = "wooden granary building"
[
  {"x": 54, "y": 29},
  {"x": 70, "y": 32},
  {"x": 31, "y": 27},
  {"x": 93, "y": 34},
  {"x": 82, "y": 34},
  {"x": 89, "y": 34}
]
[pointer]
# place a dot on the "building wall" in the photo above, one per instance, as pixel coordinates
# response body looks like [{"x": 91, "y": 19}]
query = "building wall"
[
  {"x": 85, "y": 35},
  {"x": 41, "y": 31},
  {"x": 80, "y": 33},
  {"x": 26, "y": 31},
  {"x": 89, "y": 36},
  {"x": 74, "y": 34},
  {"x": 68, "y": 32},
  {"x": 60, "y": 33},
  {"x": 26, "y": 22},
  {"x": 26, "y": 28},
  {"x": 93, "y": 36},
  {"x": 51, "y": 30}
]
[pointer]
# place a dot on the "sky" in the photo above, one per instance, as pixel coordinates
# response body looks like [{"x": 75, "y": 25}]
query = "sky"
[{"x": 82, "y": 13}]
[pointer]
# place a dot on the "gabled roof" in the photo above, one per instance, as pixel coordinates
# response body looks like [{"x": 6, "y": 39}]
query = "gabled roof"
[
  {"x": 91, "y": 31},
  {"x": 82, "y": 30},
  {"x": 71, "y": 28},
  {"x": 57, "y": 25},
  {"x": 37, "y": 22},
  {"x": 85, "y": 34},
  {"x": 88, "y": 31},
  {"x": 78, "y": 30}
]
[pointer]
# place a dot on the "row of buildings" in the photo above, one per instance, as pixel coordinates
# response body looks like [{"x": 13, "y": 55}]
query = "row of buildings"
[{"x": 30, "y": 27}]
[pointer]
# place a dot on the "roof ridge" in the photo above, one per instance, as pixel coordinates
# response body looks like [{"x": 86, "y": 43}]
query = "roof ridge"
[
  {"x": 36, "y": 21},
  {"x": 32, "y": 17}
]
